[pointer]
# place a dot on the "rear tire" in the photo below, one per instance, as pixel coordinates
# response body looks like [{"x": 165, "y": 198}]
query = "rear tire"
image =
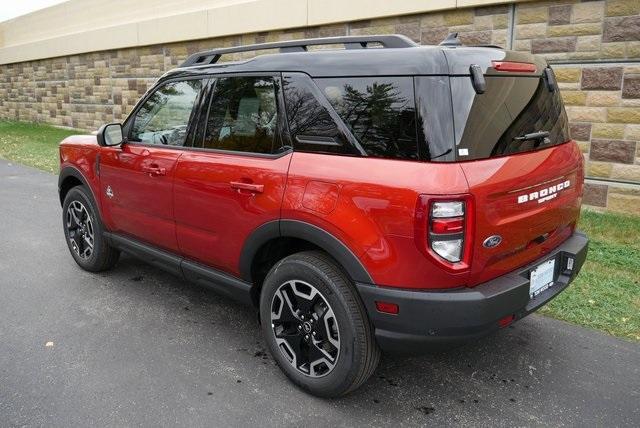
[
  {"x": 83, "y": 232},
  {"x": 316, "y": 326}
]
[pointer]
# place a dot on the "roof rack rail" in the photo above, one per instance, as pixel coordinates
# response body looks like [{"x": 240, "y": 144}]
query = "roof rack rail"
[
  {"x": 349, "y": 42},
  {"x": 487, "y": 46},
  {"x": 452, "y": 40}
]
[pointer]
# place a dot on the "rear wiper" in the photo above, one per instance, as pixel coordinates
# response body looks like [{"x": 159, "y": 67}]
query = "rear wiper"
[{"x": 540, "y": 135}]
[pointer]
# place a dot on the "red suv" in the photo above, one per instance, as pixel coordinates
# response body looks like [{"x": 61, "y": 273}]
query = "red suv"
[{"x": 381, "y": 197}]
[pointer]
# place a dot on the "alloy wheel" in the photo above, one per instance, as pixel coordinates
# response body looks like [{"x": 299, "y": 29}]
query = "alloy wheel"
[
  {"x": 80, "y": 228},
  {"x": 305, "y": 328}
]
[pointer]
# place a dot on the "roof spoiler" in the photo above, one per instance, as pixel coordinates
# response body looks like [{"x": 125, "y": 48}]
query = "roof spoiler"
[{"x": 350, "y": 42}]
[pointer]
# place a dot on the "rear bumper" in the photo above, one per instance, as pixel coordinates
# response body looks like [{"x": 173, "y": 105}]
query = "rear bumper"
[{"x": 430, "y": 320}]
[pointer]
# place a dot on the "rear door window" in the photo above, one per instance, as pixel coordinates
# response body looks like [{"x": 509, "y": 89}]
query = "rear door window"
[
  {"x": 514, "y": 115},
  {"x": 379, "y": 112},
  {"x": 243, "y": 115}
]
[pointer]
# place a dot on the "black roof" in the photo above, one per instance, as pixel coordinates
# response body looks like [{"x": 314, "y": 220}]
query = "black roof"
[{"x": 397, "y": 56}]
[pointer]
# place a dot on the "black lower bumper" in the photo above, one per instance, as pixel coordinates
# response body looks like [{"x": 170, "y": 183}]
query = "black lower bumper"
[{"x": 430, "y": 320}]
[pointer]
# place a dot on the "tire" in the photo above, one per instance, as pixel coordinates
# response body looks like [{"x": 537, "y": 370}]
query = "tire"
[
  {"x": 335, "y": 352},
  {"x": 81, "y": 221}
]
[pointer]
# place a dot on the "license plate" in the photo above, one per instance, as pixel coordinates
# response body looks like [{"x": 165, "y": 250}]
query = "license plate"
[{"x": 541, "y": 278}]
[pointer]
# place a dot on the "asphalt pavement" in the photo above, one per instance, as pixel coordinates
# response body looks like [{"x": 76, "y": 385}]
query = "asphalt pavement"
[{"x": 138, "y": 347}]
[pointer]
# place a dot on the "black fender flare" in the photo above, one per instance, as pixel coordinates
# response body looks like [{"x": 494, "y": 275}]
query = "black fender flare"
[
  {"x": 308, "y": 232},
  {"x": 72, "y": 171}
]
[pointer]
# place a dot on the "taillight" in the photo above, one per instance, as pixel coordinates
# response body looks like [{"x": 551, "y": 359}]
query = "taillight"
[
  {"x": 444, "y": 230},
  {"x": 514, "y": 67},
  {"x": 447, "y": 225}
]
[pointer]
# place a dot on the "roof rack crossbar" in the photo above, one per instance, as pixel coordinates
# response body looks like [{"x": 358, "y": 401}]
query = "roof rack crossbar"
[{"x": 349, "y": 42}]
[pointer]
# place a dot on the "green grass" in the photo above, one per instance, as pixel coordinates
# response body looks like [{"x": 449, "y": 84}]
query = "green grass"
[
  {"x": 606, "y": 293},
  {"x": 32, "y": 144},
  {"x": 605, "y": 296}
]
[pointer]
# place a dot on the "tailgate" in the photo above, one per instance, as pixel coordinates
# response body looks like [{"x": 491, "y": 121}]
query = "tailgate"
[
  {"x": 531, "y": 200},
  {"x": 513, "y": 145}
]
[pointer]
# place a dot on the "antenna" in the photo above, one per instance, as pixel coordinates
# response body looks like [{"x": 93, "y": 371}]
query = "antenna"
[{"x": 451, "y": 40}]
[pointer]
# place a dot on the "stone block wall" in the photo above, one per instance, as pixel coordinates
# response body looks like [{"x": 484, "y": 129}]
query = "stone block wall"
[
  {"x": 571, "y": 30},
  {"x": 594, "y": 47}
]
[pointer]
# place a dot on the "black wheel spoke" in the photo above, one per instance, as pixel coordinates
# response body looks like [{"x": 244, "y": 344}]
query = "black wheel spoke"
[
  {"x": 78, "y": 239},
  {"x": 286, "y": 333},
  {"x": 324, "y": 310},
  {"x": 314, "y": 353},
  {"x": 306, "y": 305},
  {"x": 295, "y": 342},
  {"x": 288, "y": 313}
]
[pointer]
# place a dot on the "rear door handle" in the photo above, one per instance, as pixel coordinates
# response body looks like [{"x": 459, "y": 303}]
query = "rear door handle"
[
  {"x": 253, "y": 188},
  {"x": 154, "y": 171}
]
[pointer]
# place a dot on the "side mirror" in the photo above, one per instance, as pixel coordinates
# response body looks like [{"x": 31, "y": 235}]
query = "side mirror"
[{"x": 110, "y": 135}]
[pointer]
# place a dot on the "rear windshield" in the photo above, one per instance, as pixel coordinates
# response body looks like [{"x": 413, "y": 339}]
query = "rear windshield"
[{"x": 514, "y": 115}]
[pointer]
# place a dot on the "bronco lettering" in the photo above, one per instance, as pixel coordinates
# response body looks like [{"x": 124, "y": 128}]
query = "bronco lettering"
[{"x": 544, "y": 195}]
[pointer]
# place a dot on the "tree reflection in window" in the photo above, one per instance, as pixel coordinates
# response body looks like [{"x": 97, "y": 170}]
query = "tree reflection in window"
[
  {"x": 165, "y": 115},
  {"x": 310, "y": 124},
  {"x": 243, "y": 115},
  {"x": 380, "y": 112}
]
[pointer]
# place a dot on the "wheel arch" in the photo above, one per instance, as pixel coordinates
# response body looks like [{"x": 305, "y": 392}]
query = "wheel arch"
[
  {"x": 69, "y": 178},
  {"x": 299, "y": 236}
]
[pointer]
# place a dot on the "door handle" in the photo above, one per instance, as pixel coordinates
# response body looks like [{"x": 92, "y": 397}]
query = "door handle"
[
  {"x": 154, "y": 171},
  {"x": 253, "y": 188}
]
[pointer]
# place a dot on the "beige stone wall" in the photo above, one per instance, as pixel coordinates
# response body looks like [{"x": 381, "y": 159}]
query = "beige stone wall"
[
  {"x": 572, "y": 30},
  {"x": 80, "y": 26},
  {"x": 595, "y": 47}
]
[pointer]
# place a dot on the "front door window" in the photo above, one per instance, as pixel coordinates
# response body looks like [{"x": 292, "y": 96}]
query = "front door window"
[{"x": 164, "y": 117}]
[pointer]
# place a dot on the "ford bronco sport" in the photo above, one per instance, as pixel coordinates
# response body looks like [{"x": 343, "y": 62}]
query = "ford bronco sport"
[{"x": 384, "y": 197}]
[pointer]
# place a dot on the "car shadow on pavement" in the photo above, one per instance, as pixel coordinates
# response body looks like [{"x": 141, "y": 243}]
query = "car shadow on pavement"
[{"x": 510, "y": 370}]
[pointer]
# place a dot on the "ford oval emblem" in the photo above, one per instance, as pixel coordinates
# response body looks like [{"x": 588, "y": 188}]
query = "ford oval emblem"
[{"x": 492, "y": 241}]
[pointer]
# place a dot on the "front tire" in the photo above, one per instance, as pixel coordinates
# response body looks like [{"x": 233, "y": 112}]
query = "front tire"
[
  {"x": 315, "y": 325},
  {"x": 83, "y": 232}
]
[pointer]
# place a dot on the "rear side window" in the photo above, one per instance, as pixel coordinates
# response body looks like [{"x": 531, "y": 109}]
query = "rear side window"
[
  {"x": 311, "y": 124},
  {"x": 243, "y": 115},
  {"x": 379, "y": 112},
  {"x": 514, "y": 115},
  {"x": 435, "y": 122}
]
